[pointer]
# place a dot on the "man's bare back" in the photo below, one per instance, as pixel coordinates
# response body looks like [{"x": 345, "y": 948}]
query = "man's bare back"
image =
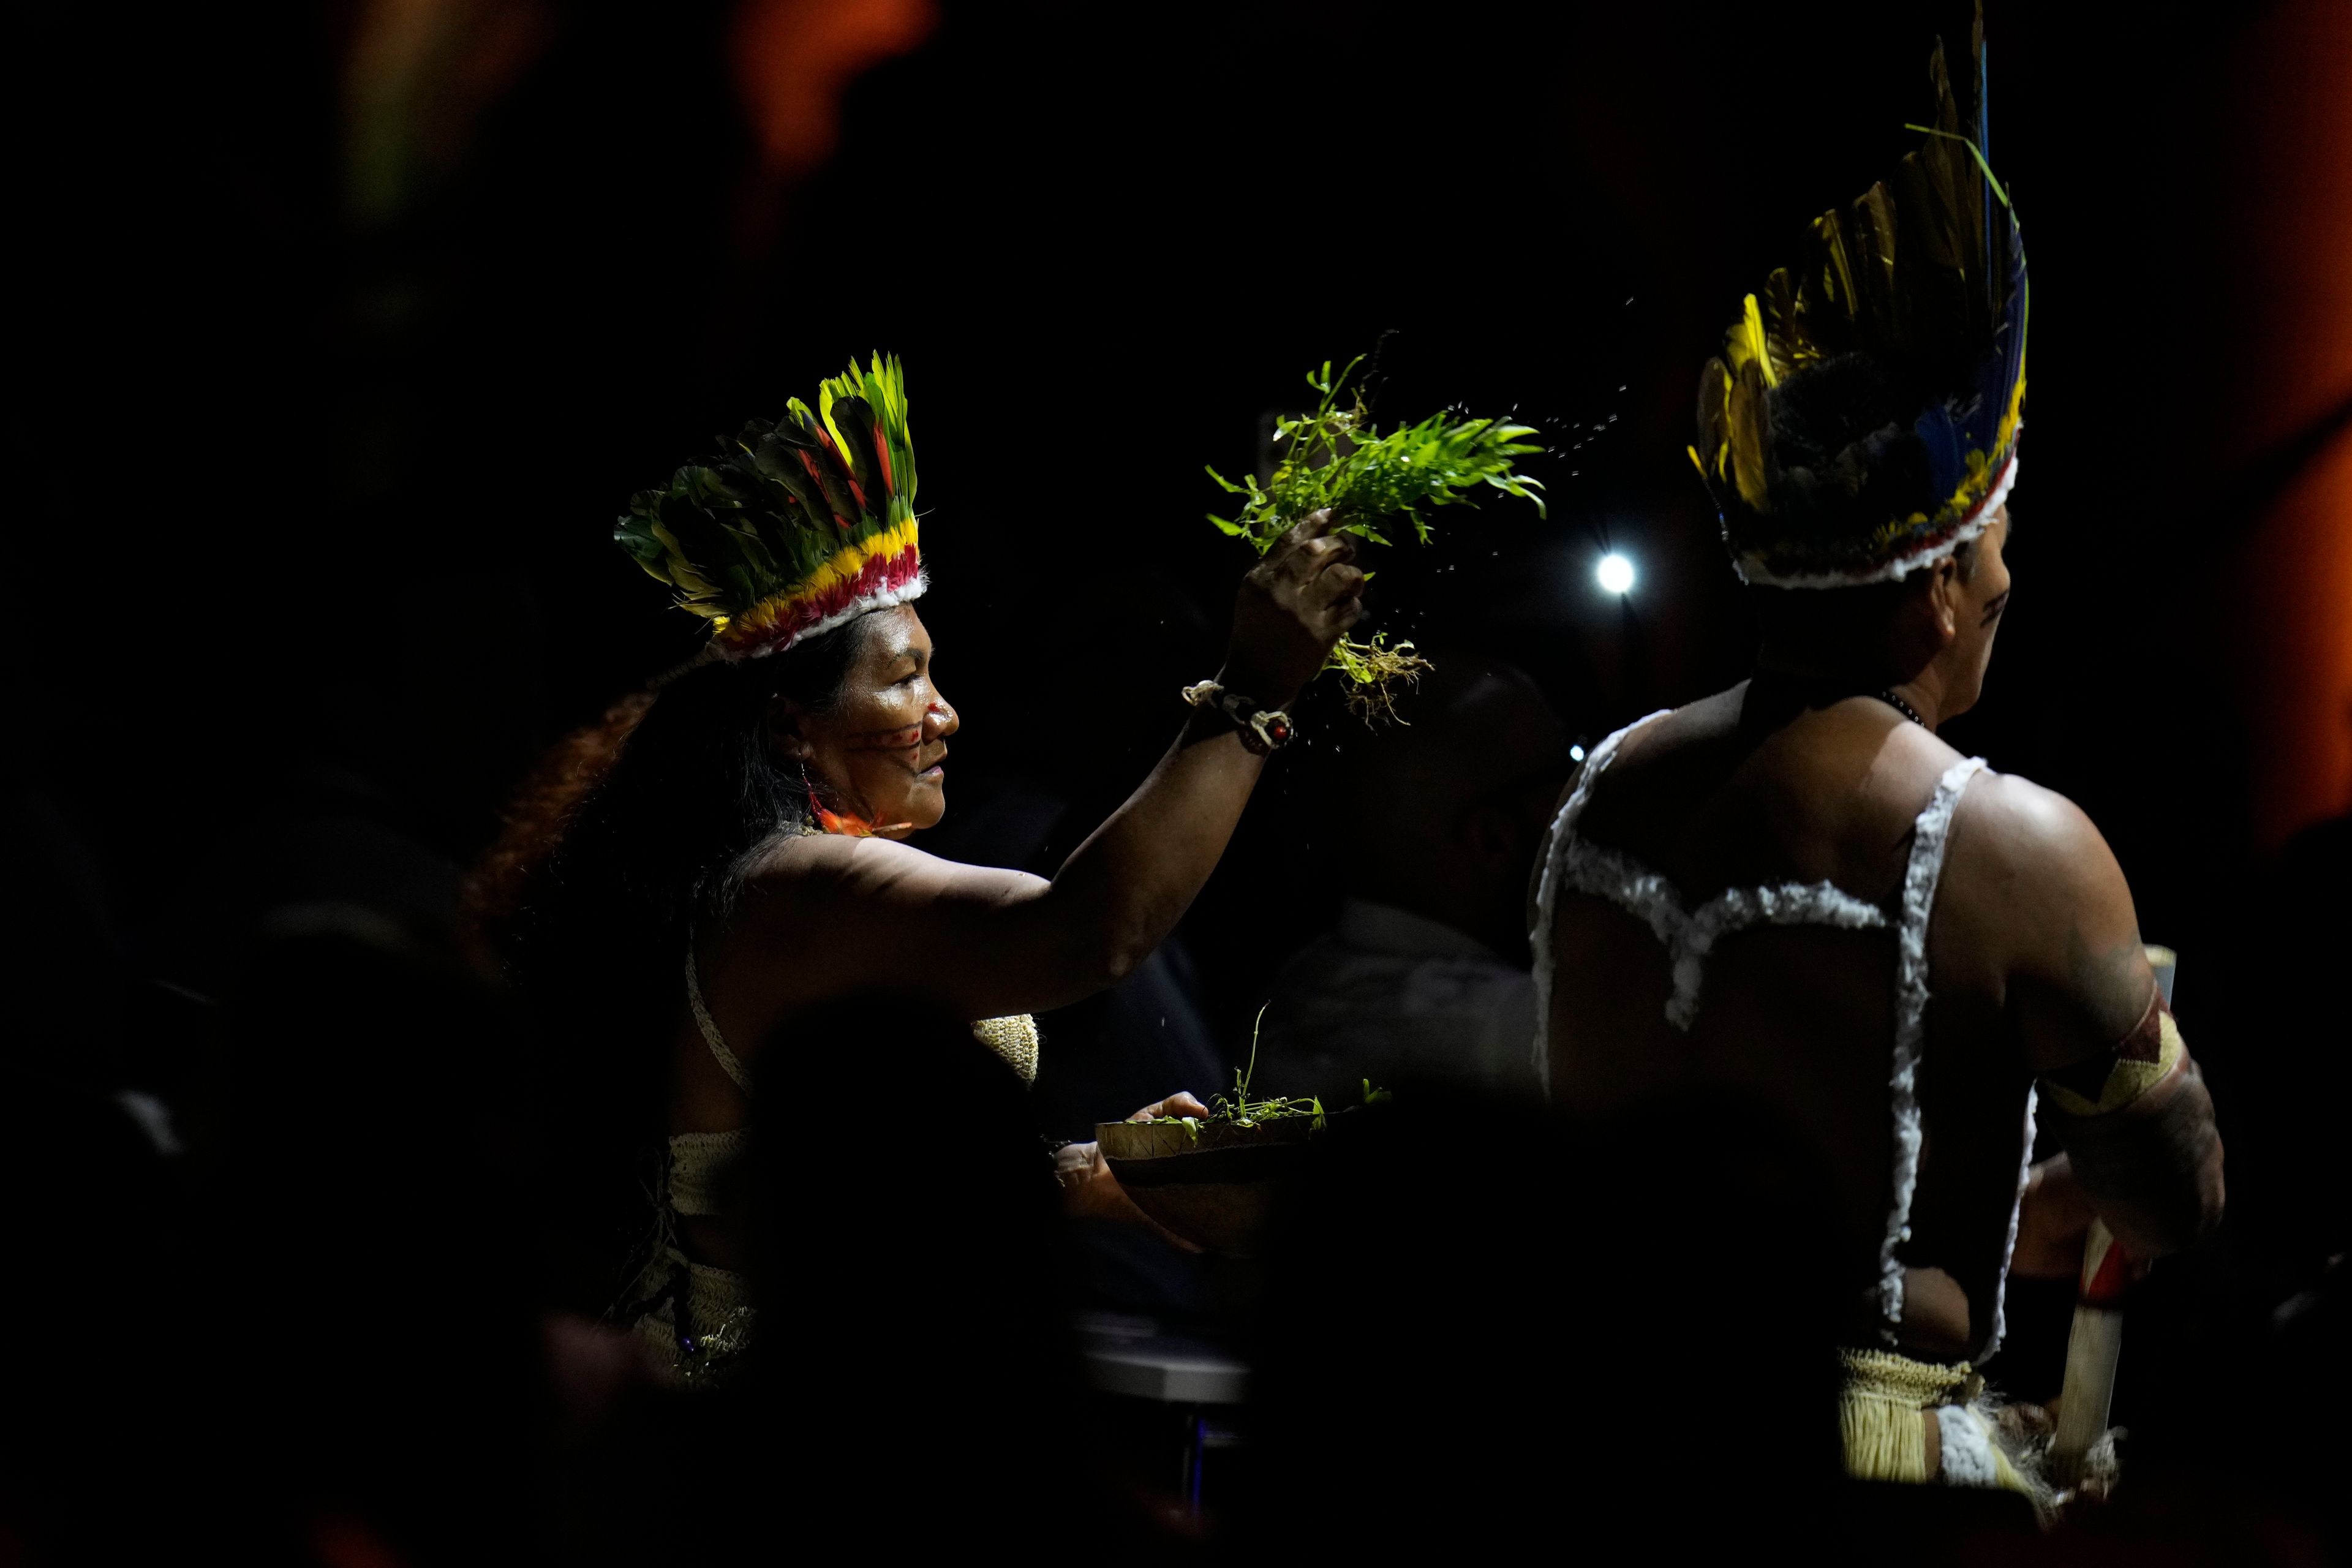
[{"x": 2033, "y": 964}]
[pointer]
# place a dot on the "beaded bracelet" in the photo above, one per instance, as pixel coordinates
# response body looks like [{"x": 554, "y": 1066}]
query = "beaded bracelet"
[{"x": 1261, "y": 730}]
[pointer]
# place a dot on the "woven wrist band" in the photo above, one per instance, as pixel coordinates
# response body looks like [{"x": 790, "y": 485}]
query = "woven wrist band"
[{"x": 1261, "y": 730}]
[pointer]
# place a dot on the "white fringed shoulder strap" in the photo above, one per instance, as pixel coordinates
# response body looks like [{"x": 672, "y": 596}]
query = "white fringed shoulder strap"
[
  {"x": 1561, "y": 836},
  {"x": 1930, "y": 833}
]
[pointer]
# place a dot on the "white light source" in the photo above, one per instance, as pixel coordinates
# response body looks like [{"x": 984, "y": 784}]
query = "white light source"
[
  {"x": 1576, "y": 753},
  {"x": 1615, "y": 574}
]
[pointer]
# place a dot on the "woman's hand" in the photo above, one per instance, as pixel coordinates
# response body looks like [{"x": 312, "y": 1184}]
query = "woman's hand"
[
  {"x": 1089, "y": 1191},
  {"x": 1290, "y": 609},
  {"x": 1180, "y": 1104}
]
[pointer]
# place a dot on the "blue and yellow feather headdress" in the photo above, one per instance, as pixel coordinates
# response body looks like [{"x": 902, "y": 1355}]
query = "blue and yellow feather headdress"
[
  {"x": 1919, "y": 286},
  {"x": 799, "y": 526}
]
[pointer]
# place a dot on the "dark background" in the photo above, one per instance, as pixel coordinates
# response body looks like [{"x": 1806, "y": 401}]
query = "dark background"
[{"x": 335, "y": 351}]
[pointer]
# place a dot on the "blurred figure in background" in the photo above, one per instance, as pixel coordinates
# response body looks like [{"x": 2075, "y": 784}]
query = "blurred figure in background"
[
  {"x": 92, "y": 1443},
  {"x": 921, "y": 1379},
  {"x": 1425, "y": 975},
  {"x": 369, "y": 1283},
  {"x": 1485, "y": 1325}
]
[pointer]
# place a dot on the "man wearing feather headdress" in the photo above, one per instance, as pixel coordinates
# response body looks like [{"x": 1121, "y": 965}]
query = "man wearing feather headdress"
[{"x": 1795, "y": 892}]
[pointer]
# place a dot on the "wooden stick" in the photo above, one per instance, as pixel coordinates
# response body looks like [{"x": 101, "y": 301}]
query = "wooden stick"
[{"x": 2093, "y": 1349}]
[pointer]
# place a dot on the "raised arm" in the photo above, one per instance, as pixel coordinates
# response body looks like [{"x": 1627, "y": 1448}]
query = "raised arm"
[
  {"x": 987, "y": 943},
  {"x": 2118, "y": 1084}
]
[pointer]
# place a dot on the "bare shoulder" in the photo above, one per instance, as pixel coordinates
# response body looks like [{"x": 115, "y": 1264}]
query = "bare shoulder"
[
  {"x": 2033, "y": 881},
  {"x": 814, "y": 860},
  {"x": 2033, "y": 835},
  {"x": 832, "y": 871},
  {"x": 1676, "y": 729},
  {"x": 1670, "y": 744},
  {"x": 1661, "y": 766}
]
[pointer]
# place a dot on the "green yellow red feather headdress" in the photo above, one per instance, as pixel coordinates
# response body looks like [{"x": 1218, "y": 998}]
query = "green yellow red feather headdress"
[
  {"x": 1920, "y": 287},
  {"x": 799, "y": 527}
]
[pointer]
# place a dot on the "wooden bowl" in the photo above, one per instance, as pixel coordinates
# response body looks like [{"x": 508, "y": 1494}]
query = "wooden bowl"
[{"x": 1213, "y": 1186}]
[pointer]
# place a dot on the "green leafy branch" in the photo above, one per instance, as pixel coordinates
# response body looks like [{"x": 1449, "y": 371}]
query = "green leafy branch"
[{"x": 1334, "y": 457}]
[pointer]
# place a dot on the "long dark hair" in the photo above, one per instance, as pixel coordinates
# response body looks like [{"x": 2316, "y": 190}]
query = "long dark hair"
[{"x": 630, "y": 836}]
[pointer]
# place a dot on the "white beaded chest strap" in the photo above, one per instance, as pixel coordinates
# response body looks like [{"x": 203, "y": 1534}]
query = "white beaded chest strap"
[
  {"x": 1576, "y": 864},
  {"x": 1690, "y": 935}
]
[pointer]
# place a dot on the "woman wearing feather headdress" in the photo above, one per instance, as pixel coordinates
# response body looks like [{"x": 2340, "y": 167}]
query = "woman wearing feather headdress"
[
  {"x": 728, "y": 853},
  {"x": 1761, "y": 892}
]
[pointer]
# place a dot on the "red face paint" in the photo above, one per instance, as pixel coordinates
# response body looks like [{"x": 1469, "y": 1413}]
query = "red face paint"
[{"x": 906, "y": 738}]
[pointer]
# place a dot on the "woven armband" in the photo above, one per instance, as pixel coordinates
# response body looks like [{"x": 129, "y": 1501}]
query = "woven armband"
[
  {"x": 1263, "y": 729},
  {"x": 2110, "y": 1081}
]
